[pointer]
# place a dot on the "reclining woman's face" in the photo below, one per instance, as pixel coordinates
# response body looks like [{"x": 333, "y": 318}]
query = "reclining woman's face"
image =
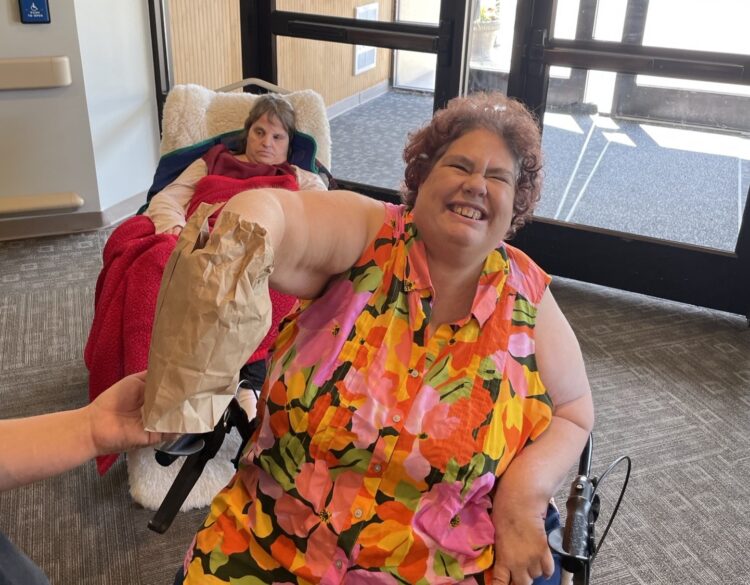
[{"x": 267, "y": 141}]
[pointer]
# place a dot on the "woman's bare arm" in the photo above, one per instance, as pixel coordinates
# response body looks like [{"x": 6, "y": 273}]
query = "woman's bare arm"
[
  {"x": 314, "y": 234},
  {"x": 534, "y": 476}
]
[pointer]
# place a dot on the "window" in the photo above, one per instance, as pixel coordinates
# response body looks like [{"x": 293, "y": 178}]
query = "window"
[{"x": 365, "y": 57}]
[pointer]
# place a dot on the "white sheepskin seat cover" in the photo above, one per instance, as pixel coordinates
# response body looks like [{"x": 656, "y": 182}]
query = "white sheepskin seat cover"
[{"x": 193, "y": 113}]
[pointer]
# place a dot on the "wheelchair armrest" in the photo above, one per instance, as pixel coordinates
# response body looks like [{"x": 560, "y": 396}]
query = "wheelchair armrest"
[
  {"x": 202, "y": 448},
  {"x": 182, "y": 446}
]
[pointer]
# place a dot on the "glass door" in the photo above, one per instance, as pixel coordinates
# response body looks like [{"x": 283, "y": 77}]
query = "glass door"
[
  {"x": 642, "y": 105},
  {"x": 413, "y": 70},
  {"x": 413, "y": 51},
  {"x": 646, "y": 142}
]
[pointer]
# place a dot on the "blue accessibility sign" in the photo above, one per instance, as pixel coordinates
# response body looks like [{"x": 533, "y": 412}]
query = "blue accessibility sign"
[{"x": 34, "y": 11}]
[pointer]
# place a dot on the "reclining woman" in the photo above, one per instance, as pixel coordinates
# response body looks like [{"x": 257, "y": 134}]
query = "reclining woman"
[
  {"x": 262, "y": 151},
  {"x": 420, "y": 412},
  {"x": 136, "y": 253}
]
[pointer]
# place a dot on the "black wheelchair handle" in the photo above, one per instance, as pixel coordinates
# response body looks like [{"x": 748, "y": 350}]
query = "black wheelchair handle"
[
  {"x": 573, "y": 542},
  {"x": 199, "y": 449}
]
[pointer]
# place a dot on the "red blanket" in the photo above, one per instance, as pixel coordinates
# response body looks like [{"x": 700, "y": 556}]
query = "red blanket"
[{"x": 128, "y": 285}]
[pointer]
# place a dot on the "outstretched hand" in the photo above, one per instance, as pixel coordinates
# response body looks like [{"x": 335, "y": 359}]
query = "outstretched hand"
[
  {"x": 521, "y": 550},
  {"x": 115, "y": 417}
]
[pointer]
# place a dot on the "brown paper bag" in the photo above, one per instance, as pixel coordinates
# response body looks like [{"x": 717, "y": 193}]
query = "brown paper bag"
[{"x": 212, "y": 312}]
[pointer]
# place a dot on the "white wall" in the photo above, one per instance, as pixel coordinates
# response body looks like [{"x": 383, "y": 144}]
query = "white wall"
[
  {"x": 118, "y": 76},
  {"x": 97, "y": 137},
  {"x": 45, "y": 137}
]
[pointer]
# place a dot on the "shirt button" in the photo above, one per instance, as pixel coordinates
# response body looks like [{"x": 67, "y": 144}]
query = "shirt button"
[
  {"x": 396, "y": 418},
  {"x": 357, "y": 514},
  {"x": 413, "y": 373},
  {"x": 339, "y": 564},
  {"x": 378, "y": 468}
]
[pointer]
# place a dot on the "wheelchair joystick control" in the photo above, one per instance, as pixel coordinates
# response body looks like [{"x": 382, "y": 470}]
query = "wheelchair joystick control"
[
  {"x": 576, "y": 536},
  {"x": 575, "y": 543}
]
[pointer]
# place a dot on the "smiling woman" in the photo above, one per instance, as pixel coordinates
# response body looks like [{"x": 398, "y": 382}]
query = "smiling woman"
[
  {"x": 465, "y": 205},
  {"x": 505, "y": 118},
  {"x": 430, "y": 362}
]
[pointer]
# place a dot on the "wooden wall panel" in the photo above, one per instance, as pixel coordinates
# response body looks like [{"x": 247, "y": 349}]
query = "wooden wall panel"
[
  {"x": 206, "y": 49},
  {"x": 205, "y": 41},
  {"x": 328, "y": 68}
]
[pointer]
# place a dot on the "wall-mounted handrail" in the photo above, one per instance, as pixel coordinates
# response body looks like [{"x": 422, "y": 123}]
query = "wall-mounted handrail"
[
  {"x": 34, "y": 73},
  {"x": 40, "y": 202}
]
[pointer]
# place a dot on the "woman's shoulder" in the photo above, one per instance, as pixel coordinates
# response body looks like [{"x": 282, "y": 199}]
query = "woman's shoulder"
[
  {"x": 525, "y": 275},
  {"x": 387, "y": 223}
]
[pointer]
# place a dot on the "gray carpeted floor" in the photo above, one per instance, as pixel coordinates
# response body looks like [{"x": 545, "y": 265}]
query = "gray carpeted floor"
[
  {"x": 79, "y": 527},
  {"x": 671, "y": 385}
]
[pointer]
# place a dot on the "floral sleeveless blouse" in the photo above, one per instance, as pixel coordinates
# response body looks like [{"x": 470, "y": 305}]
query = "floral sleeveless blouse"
[{"x": 379, "y": 445}]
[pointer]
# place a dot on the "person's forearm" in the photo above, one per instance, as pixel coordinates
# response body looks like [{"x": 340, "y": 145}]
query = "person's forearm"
[
  {"x": 167, "y": 208},
  {"x": 536, "y": 474},
  {"x": 42, "y": 446}
]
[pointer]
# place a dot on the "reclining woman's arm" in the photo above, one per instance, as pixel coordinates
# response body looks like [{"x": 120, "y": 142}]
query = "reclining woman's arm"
[
  {"x": 167, "y": 208},
  {"x": 314, "y": 234}
]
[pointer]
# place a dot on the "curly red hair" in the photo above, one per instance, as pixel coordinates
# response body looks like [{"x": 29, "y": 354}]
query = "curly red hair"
[{"x": 507, "y": 118}]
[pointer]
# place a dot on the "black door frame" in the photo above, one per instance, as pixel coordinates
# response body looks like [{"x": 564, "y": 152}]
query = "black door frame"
[
  {"x": 447, "y": 40},
  {"x": 444, "y": 40},
  {"x": 681, "y": 272}
]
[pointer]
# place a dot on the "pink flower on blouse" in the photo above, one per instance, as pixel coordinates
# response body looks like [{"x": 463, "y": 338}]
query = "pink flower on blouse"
[
  {"x": 319, "y": 515},
  {"x": 520, "y": 345},
  {"x": 379, "y": 397},
  {"x": 367, "y": 420},
  {"x": 516, "y": 373},
  {"x": 429, "y": 417},
  {"x": 314, "y": 485},
  {"x": 458, "y": 524},
  {"x": 323, "y": 328}
]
